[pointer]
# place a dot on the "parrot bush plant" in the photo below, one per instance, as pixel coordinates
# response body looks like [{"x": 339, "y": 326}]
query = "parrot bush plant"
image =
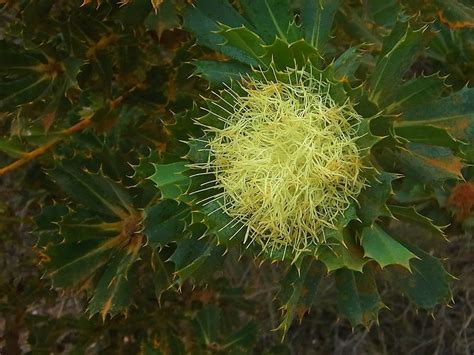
[{"x": 184, "y": 136}]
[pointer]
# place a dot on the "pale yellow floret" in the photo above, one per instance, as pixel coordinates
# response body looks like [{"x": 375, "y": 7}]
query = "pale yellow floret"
[{"x": 287, "y": 161}]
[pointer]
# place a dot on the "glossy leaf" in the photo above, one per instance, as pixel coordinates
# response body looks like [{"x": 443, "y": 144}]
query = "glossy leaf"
[
  {"x": 171, "y": 180},
  {"x": 381, "y": 247}
]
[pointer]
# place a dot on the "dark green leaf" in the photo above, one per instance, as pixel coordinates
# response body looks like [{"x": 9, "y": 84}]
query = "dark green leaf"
[
  {"x": 316, "y": 18},
  {"x": 428, "y": 282},
  {"x": 357, "y": 296},
  {"x": 372, "y": 200},
  {"x": 411, "y": 215},
  {"x": 164, "y": 222},
  {"x": 396, "y": 58},
  {"x": 430, "y": 163},
  {"x": 271, "y": 18},
  {"x": 454, "y": 113},
  {"x": 298, "y": 290},
  {"x": 217, "y": 73}
]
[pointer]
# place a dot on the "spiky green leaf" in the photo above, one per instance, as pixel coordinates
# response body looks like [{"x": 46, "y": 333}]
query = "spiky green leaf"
[
  {"x": 298, "y": 290},
  {"x": 381, "y": 247},
  {"x": 357, "y": 296},
  {"x": 317, "y": 17},
  {"x": 428, "y": 282}
]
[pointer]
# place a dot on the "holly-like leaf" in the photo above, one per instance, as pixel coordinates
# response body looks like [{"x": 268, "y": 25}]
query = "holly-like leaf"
[
  {"x": 348, "y": 255},
  {"x": 217, "y": 73},
  {"x": 381, "y": 247},
  {"x": 245, "y": 40},
  {"x": 454, "y": 113},
  {"x": 430, "y": 163},
  {"x": 204, "y": 19},
  {"x": 347, "y": 64},
  {"x": 411, "y": 215},
  {"x": 372, "y": 200},
  {"x": 271, "y": 18},
  {"x": 162, "y": 274},
  {"x": 244, "y": 338},
  {"x": 96, "y": 191},
  {"x": 317, "y": 17},
  {"x": 298, "y": 290},
  {"x": 417, "y": 91},
  {"x": 196, "y": 257},
  {"x": 112, "y": 293},
  {"x": 398, "y": 52},
  {"x": 283, "y": 55},
  {"x": 358, "y": 299},
  {"x": 171, "y": 180},
  {"x": 164, "y": 222},
  {"x": 455, "y": 14},
  {"x": 428, "y": 282},
  {"x": 427, "y": 134},
  {"x": 208, "y": 320}
]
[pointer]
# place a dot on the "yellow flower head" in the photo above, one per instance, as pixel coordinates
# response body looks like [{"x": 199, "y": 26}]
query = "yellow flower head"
[{"x": 287, "y": 161}]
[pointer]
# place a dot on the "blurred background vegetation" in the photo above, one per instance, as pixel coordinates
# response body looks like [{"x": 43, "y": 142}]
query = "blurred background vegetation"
[{"x": 96, "y": 85}]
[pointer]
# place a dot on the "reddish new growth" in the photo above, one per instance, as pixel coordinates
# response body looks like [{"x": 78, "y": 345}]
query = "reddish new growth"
[{"x": 462, "y": 200}]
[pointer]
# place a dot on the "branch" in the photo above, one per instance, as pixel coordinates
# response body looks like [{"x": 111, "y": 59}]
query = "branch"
[{"x": 27, "y": 157}]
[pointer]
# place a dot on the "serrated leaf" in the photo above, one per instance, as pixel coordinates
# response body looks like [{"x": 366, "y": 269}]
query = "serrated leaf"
[
  {"x": 283, "y": 55},
  {"x": 430, "y": 163},
  {"x": 372, "y": 200},
  {"x": 399, "y": 50},
  {"x": 227, "y": 230},
  {"x": 217, "y": 73},
  {"x": 385, "y": 250},
  {"x": 454, "y": 113},
  {"x": 358, "y": 299},
  {"x": 96, "y": 191},
  {"x": 245, "y": 40},
  {"x": 411, "y": 215},
  {"x": 204, "y": 18},
  {"x": 428, "y": 283},
  {"x": 271, "y": 18},
  {"x": 162, "y": 274},
  {"x": 112, "y": 293},
  {"x": 417, "y": 91},
  {"x": 77, "y": 227},
  {"x": 298, "y": 290},
  {"x": 350, "y": 214},
  {"x": 164, "y": 222},
  {"x": 426, "y": 134},
  {"x": 196, "y": 257},
  {"x": 317, "y": 17},
  {"x": 455, "y": 14},
  {"x": 347, "y": 64},
  {"x": 171, "y": 180},
  {"x": 73, "y": 263},
  {"x": 337, "y": 256}
]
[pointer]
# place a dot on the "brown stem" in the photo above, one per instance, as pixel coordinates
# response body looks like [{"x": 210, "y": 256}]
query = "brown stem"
[{"x": 27, "y": 157}]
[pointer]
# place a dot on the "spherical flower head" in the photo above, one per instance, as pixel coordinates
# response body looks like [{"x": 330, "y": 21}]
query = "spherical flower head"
[{"x": 287, "y": 161}]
